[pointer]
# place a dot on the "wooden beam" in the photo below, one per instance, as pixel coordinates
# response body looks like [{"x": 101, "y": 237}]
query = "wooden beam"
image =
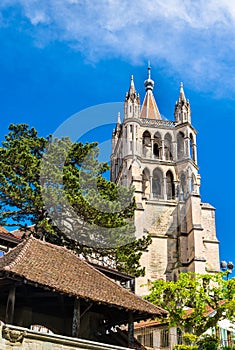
[
  {"x": 130, "y": 330},
  {"x": 76, "y": 318},
  {"x": 10, "y": 305}
]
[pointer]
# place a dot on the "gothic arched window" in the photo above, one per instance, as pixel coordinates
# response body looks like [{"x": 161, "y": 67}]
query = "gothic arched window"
[
  {"x": 170, "y": 186},
  {"x": 146, "y": 140},
  {"x": 192, "y": 183},
  {"x": 157, "y": 184},
  {"x": 156, "y": 150},
  {"x": 192, "y": 150},
  {"x": 183, "y": 185},
  {"x": 146, "y": 183},
  {"x": 168, "y": 147},
  {"x": 180, "y": 145},
  {"x": 157, "y": 145}
]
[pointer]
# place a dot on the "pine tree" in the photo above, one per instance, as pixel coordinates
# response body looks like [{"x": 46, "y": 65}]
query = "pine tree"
[{"x": 58, "y": 187}]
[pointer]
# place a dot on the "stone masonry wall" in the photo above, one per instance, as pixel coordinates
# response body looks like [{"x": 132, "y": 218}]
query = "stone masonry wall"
[{"x": 18, "y": 338}]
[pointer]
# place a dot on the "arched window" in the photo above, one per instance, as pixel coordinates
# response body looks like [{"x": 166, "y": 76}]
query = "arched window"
[
  {"x": 183, "y": 188},
  {"x": 146, "y": 143},
  {"x": 168, "y": 147},
  {"x": 192, "y": 183},
  {"x": 180, "y": 145},
  {"x": 192, "y": 150},
  {"x": 157, "y": 184},
  {"x": 146, "y": 183},
  {"x": 170, "y": 186},
  {"x": 156, "y": 150},
  {"x": 157, "y": 145}
]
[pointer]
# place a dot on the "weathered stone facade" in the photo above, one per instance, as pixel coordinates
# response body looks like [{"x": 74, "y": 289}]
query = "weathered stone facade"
[{"x": 159, "y": 158}]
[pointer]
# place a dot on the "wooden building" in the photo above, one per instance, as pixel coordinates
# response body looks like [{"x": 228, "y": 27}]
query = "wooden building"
[{"x": 44, "y": 284}]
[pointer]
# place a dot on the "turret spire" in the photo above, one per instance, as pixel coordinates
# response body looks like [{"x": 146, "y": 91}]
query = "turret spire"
[
  {"x": 149, "y": 83},
  {"x": 182, "y": 108},
  {"x": 132, "y": 101},
  {"x": 182, "y": 95},
  {"x": 119, "y": 118},
  {"x": 149, "y": 108},
  {"x": 131, "y": 94}
]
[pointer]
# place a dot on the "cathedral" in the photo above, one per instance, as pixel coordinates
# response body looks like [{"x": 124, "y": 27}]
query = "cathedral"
[{"x": 159, "y": 158}]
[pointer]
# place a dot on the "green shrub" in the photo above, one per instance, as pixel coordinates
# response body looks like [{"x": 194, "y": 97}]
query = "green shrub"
[
  {"x": 189, "y": 338},
  {"x": 208, "y": 342},
  {"x": 185, "y": 347}
]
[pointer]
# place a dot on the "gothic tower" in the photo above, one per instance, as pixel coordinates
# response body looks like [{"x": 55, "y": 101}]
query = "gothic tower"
[{"x": 159, "y": 158}]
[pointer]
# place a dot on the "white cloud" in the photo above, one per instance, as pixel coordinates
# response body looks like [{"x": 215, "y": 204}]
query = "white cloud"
[{"x": 195, "y": 38}]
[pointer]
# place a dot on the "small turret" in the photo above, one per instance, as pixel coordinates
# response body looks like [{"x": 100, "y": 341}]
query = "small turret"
[
  {"x": 182, "y": 108},
  {"x": 132, "y": 102}
]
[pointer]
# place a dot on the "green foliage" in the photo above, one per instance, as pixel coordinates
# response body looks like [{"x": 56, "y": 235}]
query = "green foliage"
[
  {"x": 208, "y": 342},
  {"x": 58, "y": 187},
  {"x": 189, "y": 338},
  {"x": 195, "y": 302},
  {"x": 185, "y": 347}
]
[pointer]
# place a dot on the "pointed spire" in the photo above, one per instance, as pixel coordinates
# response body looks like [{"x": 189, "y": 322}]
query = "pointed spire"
[
  {"x": 149, "y": 108},
  {"x": 119, "y": 118},
  {"x": 182, "y": 94},
  {"x": 131, "y": 95},
  {"x": 149, "y": 83},
  {"x": 118, "y": 128},
  {"x": 132, "y": 85},
  {"x": 182, "y": 107}
]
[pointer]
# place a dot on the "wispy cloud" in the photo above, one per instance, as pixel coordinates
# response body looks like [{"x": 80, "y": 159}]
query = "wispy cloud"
[{"x": 194, "y": 38}]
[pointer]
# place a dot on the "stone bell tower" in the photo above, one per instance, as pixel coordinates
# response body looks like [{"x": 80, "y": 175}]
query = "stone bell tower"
[{"x": 159, "y": 158}]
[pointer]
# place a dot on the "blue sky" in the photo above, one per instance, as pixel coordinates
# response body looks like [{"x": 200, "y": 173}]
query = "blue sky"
[{"x": 59, "y": 57}]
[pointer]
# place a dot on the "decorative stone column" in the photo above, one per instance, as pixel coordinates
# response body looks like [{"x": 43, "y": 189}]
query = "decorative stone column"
[
  {"x": 151, "y": 186},
  {"x": 152, "y": 155},
  {"x": 163, "y": 150},
  {"x": 174, "y": 150},
  {"x": 164, "y": 189}
]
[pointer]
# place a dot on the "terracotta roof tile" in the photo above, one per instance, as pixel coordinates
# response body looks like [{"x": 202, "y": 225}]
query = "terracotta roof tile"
[
  {"x": 149, "y": 108},
  {"x": 57, "y": 268},
  {"x": 19, "y": 233},
  {"x": 8, "y": 235},
  {"x": 3, "y": 230}
]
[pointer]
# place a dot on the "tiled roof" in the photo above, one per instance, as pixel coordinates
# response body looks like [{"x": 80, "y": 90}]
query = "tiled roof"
[
  {"x": 151, "y": 323},
  {"x": 149, "y": 108},
  {"x": 3, "y": 230},
  {"x": 8, "y": 235},
  {"x": 59, "y": 269},
  {"x": 20, "y": 233},
  {"x": 147, "y": 323}
]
